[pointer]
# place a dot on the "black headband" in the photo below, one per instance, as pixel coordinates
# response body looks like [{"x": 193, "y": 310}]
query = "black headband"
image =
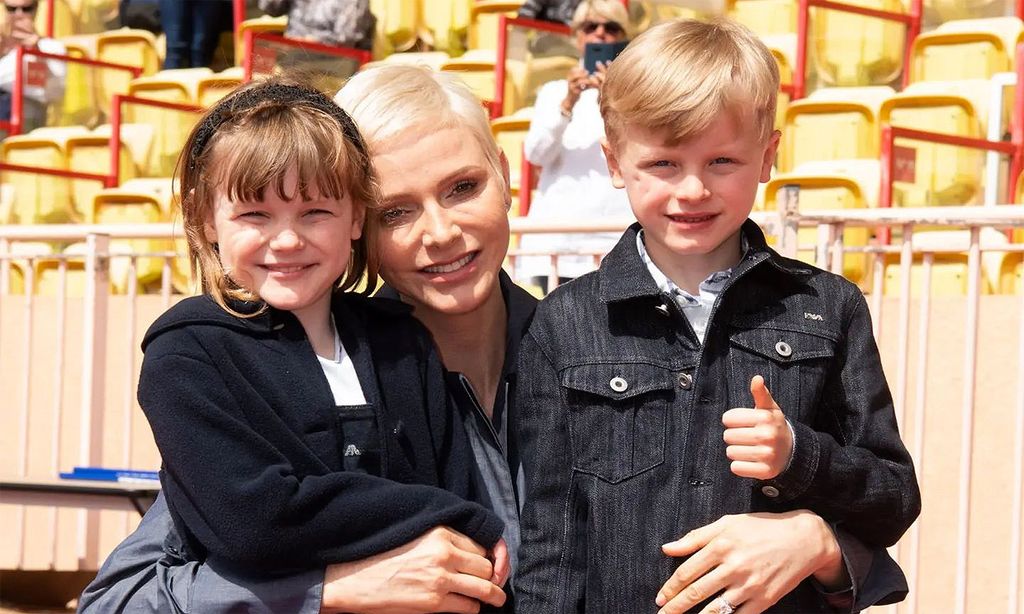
[{"x": 278, "y": 93}]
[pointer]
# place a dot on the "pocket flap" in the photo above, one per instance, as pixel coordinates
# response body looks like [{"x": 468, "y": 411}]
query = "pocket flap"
[
  {"x": 783, "y": 345},
  {"x": 618, "y": 380}
]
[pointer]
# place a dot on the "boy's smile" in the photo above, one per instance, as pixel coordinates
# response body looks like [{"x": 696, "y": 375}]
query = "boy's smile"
[{"x": 692, "y": 197}]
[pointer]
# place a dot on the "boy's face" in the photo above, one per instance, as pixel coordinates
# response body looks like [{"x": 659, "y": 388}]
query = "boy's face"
[{"x": 692, "y": 197}]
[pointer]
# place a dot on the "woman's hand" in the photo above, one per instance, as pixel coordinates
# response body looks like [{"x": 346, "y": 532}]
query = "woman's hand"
[
  {"x": 579, "y": 80},
  {"x": 751, "y": 560},
  {"x": 440, "y": 571},
  {"x": 597, "y": 79}
]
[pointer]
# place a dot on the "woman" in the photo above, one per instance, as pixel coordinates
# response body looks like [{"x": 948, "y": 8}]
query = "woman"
[
  {"x": 565, "y": 140},
  {"x": 441, "y": 237}
]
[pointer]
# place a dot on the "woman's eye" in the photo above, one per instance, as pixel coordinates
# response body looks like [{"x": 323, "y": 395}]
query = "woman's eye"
[
  {"x": 393, "y": 215},
  {"x": 464, "y": 187}
]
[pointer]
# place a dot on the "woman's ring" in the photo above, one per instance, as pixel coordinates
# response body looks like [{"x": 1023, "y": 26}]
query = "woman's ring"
[{"x": 724, "y": 607}]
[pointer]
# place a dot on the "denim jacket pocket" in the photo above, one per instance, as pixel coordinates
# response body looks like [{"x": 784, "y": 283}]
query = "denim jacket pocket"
[
  {"x": 794, "y": 364},
  {"x": 618, "y": 414}
]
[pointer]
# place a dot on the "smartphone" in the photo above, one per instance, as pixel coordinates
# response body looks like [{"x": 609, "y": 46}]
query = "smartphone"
[{"x": 601, "y": 52}]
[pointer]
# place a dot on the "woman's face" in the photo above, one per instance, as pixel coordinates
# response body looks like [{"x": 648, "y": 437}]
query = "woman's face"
[
  {"x": 442, "y": 232},
  {"x": 596, "y": 29}
]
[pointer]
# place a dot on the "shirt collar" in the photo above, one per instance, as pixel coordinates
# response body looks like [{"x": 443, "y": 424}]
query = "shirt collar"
[{"x": 713, "y": 283}]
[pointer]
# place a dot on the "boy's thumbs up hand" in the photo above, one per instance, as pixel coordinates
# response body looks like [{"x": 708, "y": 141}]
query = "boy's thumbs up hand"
[{"x": 759, "y": 440}]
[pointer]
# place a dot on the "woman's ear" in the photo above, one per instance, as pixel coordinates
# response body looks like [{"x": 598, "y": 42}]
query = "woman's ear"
[{"x": 506, "y": 177}]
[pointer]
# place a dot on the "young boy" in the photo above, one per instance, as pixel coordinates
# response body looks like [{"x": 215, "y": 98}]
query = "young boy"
[{"x": 697, "y": 373}]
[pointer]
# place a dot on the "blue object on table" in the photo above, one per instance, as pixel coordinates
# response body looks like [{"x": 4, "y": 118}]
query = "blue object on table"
[{"x": 105, "y": 474}]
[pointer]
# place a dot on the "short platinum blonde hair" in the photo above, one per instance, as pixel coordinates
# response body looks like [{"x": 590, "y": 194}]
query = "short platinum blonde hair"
[
  {"x": 390, "y": 101},
  {"x": 610, "y": 10},
  {"x": 680, "y": 75}
]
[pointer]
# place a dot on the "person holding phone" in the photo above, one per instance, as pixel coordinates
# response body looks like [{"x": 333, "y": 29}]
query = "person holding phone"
[
  {"x": 565, "y": 141},
  {"x": 40, "y": 88}
]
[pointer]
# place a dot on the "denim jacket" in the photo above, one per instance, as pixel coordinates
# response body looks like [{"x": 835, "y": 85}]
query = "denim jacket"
[{"x": 620, "y": 416}]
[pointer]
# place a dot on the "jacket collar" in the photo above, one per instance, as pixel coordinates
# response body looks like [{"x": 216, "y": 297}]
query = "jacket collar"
[{"x": 623, "y": 275}]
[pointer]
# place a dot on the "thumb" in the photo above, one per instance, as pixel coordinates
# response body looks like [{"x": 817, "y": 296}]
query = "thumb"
[{"x": 762, "y": 398}]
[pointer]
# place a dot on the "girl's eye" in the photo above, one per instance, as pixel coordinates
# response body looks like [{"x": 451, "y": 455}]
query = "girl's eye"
[
  {"x": 318, "y": 212},
  {"x": 252, "y": 215}
]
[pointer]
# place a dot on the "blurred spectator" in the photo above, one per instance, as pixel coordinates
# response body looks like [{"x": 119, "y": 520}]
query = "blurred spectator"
[
  {"x": 43, "y": 80},
  {"x": 347, "y": 23},
  {"x": 549, "y": 10},
  {"x": 139, "y": 14},
  {"x": 192, "y": 29},
  {"x": 565, "y": 140}
]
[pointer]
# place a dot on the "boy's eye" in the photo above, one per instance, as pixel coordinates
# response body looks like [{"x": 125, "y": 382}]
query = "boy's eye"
[
  {"x": 722, "y": 160},
  {"x": 660, "y": 163}
]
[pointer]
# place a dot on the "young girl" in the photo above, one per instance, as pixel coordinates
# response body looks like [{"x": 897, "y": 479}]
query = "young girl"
[{"x": 286, "y": 411}]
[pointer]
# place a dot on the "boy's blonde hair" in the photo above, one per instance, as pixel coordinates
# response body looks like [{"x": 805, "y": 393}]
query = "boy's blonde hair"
[
  {"x": 610, "y": 10},
  {"x": 247, "y": 143},
  {"x": 680, "y": 75},
  {"x": 397, "y": 100}
]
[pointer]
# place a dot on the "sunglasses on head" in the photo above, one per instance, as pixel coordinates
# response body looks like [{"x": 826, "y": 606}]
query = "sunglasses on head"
[
  {"x": 31, "y": 8},
  {"x": 610, "y": 27}
]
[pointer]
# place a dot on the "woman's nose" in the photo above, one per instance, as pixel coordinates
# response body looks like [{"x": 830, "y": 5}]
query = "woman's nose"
[{"x": 440, "y": 229}]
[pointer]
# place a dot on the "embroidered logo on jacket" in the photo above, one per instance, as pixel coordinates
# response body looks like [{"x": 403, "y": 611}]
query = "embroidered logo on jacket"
[
  {"x": 813, "y": 316},
  {"x": 352, "y": 450}
]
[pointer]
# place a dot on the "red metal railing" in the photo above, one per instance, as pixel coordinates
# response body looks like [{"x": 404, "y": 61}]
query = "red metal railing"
[
  {"x": 361, "y": 56},
  {"x": 238, "y": 15},
  {"x": 504, "y": 23},
  {"x": 911, "y": 20},
  {"x": 116, "y": 121},
  {"x": 14, "y": 125}
]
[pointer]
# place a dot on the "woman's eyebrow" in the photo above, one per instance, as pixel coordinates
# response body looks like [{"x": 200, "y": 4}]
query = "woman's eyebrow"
[{"x": 469, "y": 168}]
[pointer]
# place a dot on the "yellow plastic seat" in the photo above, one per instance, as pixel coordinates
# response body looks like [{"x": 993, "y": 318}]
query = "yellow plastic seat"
[
  {"x": 80, "y": 105},
  {"x": 653, "y": 12},
  {"x": 120, "y": 206},
  {"x": 38, "y": 198},
  {"x": 949, "y": 271},
  {"x": 940, "y": 11},
  {"x": 171, "y": 126},
  {"x": 91, "y": 15},
  {"x": 397, "y": 24},
  {"x": 160, "y": 189},
  {"x": 264, "y": 23},
  {"x": 966, "y": 49},
  {"x": 90, "y": 153},
  {"x": 430, "y": 59},
  {"x": 209, "y": 90},
  {"x": 47, "y": 273},
  {"x": 510, "y": 132},
  {"x": 444, "y": 24},
  {"x": 64, "y": 20},
  {"x": 483, "y": 26},
  {"x": 129, "y": 47},
  {"x": 849, "y": 116},
  {"x": 853, "y": 50},
  {"x": 477, "y": 73},
  {"x": 939, "y": 174},
  {"x": 138, "y": 138},
  {"x": 844, "y": 185},
  {"x": 766, "y": 16}
]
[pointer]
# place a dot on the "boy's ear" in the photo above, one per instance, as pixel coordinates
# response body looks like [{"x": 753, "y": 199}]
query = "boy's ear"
[
  {"x": 613, "y": 163},
  {"x": 770, "y": 151}
]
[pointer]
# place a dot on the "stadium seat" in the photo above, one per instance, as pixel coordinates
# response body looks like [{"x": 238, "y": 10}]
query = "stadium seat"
[
  {"x": 509, "y": 132},
  {"x": 848, "y": 115},
  {"x": 64, "y": 20},
  {"x": 160, "y": 189},
  {"x": 138, "y": 138},
  {"x": 444, "y": 24},
  {"x": 80, "y": 105},
  {"x": 171, "y": 126},
  {"x": 853, "y": 50},
  {"x": 483, "y": 24},
  {"x": 47, "y": 273},
  {"x": 940, "y": 11},
  {"x": 941, "y": 174},
  {"x": 90, "y": 153},
  {"x": 783, "y": 49},
  {"x": 766, "y": 16},
  {"x": 38, "y": 198},
  {"x": 128, "y": 47},
  {"x": 210, "y": 89},
  {"x": 121, "y": 206},
  {"x": 397, "y": 24},
  {"x": 965, "y": 49},
  {"x": 431, "y": 59},
  {"x": 264, "y": 23},
  {"x": 477, "y": 72},
  {"x": 949, "y": 271},
  {"x": 846, "y": 184},
  {"x": 22, "y": 268}
]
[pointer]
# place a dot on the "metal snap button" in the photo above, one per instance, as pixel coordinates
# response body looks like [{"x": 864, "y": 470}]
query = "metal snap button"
[
  {"x": 685, "y": 381},
  {"x": 783, "y": 349},
  {"x": 618, "y": 384},
  {"x": 770, "y": 491},
  {"x": 662, "y": 309}
]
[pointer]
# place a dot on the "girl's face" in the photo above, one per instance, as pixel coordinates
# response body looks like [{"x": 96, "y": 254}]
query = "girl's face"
[
  {"x": 443, "y": 230},
  {"x": 287, "y": 251}
]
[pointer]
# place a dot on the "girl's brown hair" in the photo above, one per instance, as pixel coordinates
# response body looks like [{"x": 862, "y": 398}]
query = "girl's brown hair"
[{"x": 248, "y": 142}]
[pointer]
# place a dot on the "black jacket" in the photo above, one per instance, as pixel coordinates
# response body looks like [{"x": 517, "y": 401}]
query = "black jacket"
[
  {"x": 620, "y": 417},
  {"x": 253, "y": 444}
]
